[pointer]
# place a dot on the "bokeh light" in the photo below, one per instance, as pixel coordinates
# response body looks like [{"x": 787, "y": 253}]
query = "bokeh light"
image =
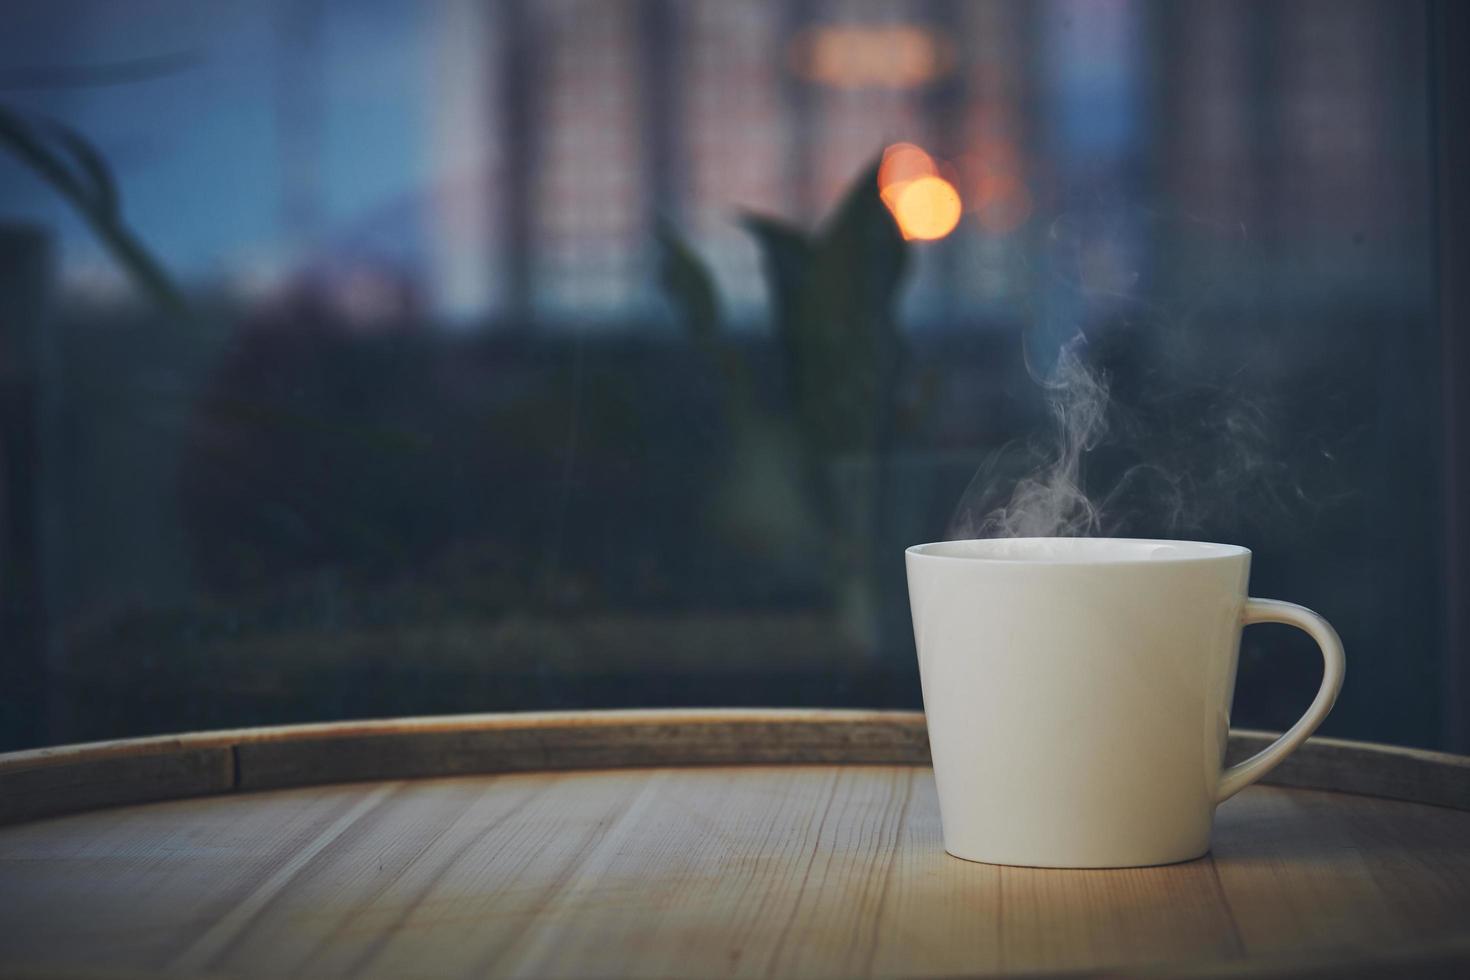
[
  {"x": 925, "y": 205},
  {"x": 927, "y": 208},
  {"x": 855, "y": 56},
  {"x": 903, "y": 162}
]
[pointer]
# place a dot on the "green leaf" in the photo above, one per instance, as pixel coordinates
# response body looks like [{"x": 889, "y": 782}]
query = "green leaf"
[
  {"x": 104, "y": 194},
  {"x": 786, "y": 255},
  {"x": 20, "y": 137},
  {"x": 786, "y": 260},
  {"x": 691, "y": 290},
  {"x": 839, "y": 296},
  {"x": 862, "y": 241},
  {"x": 688, "y": 284},
  {"x": 97, "y": 204}
]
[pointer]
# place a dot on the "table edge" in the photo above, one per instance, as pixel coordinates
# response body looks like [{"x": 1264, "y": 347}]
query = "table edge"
[{"x": 51, "y": 781}]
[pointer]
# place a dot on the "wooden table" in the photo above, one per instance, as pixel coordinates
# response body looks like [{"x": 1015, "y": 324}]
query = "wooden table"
[{"x": 650, "y": 843}]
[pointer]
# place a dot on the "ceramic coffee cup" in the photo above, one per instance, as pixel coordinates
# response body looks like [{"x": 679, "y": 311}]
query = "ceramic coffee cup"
[{"x": 1078, "y": 691}]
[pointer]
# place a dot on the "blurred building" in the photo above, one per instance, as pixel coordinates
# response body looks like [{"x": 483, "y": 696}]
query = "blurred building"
[{"x": 513, "y": 155}]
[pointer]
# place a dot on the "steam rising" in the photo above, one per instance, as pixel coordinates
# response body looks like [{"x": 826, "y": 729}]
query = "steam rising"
[
  {"x": 1174, "y": 446},
  {"x": 1051, "y": 502},
  {"x": 1172, "y": 459}
]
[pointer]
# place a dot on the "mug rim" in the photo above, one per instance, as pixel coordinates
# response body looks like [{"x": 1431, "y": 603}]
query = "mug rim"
[{"x": 1126, "y": 551}]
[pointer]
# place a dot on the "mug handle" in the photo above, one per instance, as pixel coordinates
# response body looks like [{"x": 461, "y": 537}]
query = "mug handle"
[{"x": 1242, "y": 774}]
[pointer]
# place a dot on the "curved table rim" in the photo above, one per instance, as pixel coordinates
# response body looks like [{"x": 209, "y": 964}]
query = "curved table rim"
[{"x": 51, "y": 781}]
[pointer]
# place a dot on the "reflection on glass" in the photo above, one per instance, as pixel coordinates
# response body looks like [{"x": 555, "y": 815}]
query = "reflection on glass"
[{"x": 439, "y": 433}]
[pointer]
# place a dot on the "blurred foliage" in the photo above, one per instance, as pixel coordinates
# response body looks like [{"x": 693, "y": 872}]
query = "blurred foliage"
[
  {"x": 814, "y": 475},
  {"x": 835, "y": 296}
]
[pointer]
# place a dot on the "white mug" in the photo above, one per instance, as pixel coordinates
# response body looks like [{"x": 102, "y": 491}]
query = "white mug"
[{"x": 1078, "y": 691}]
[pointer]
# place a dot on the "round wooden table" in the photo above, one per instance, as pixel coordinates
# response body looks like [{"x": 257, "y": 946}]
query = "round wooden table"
[{"x": 677, "y": 843}]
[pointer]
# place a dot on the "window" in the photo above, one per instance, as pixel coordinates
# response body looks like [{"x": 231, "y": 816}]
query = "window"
[{"x": 444, "y": 424}]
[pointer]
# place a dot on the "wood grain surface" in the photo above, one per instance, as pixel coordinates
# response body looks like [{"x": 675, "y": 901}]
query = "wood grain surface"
[
  {"x": 790, "y": 870},
  {"x": 808, "y": 845}
]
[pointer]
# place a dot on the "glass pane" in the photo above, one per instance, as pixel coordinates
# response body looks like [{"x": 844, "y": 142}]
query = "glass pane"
[{"x": 502, "y": 355}]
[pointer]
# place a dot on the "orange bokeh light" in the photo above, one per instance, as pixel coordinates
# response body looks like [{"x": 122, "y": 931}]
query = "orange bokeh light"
[
  {"x": 925, "y": 205},
  {"x": 856, "y": 56},
  {"x": 903, "y": 162},
  {"x": 927, "y": 208}
]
